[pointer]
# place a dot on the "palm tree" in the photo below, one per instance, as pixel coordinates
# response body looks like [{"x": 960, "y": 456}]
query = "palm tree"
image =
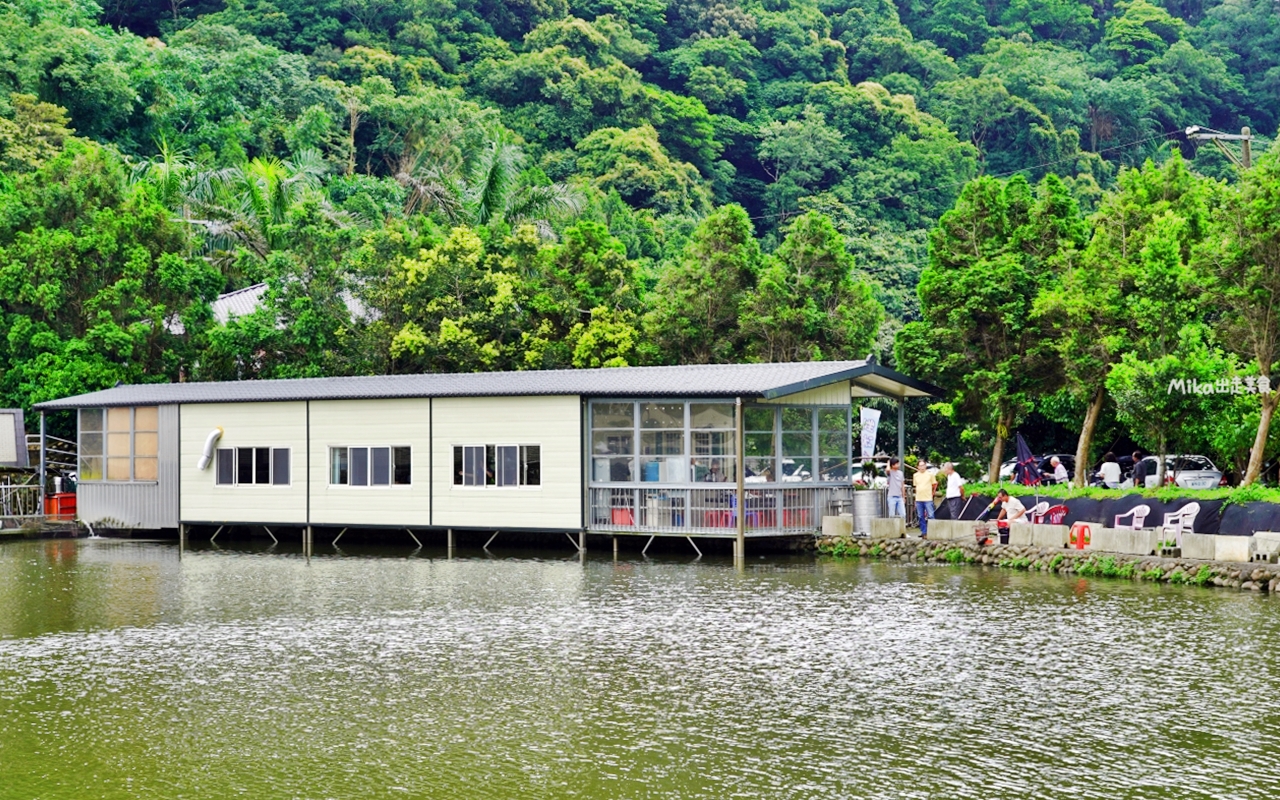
[
  {"x": 246, "y": 204},
  {"x": 486, "y": 187}
]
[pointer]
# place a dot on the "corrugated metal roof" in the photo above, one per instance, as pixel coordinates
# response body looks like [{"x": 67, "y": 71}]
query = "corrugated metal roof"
[
  {"x": 715, "y": 380},
  {"x": 240, "y": 303}
]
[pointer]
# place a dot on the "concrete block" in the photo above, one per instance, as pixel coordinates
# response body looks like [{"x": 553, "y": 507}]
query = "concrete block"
[
  {"x": 948, "y": 529},
  {"x": 1020, "y": 535},
  {"x": 1266, "y": 542},
  {"x": 1049, "y": 535},
  {"x": 1200, "y": 545},
  {"x": 888, "y": 528},
  {"x": 1233, "y": 548},
  {"x": 1124, "y": 540},
  {"x": 837, "y": 526}
]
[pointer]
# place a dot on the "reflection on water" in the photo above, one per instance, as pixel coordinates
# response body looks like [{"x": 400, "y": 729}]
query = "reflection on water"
[{"x": 126, "y": 672}]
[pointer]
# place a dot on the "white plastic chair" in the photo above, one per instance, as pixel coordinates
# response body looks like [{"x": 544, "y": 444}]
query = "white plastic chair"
[
  {"x": 1037, "y": 512},
  {"x": 1137, "y": 515},
  {"x": 1180, "y": 522}
]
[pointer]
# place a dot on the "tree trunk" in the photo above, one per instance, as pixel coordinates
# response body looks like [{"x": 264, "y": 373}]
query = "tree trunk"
[
  {"x": 1160, "y": 465},
  {"x": 1086, "y": 436},
  {"x": 1260, "y": 441},
  {"x": 997, "y": 452}
]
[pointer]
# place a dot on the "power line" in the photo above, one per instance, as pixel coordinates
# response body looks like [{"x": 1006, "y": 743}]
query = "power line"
[{"x": 954, "y": 184}]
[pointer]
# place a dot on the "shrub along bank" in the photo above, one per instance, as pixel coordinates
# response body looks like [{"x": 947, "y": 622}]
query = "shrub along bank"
[{"x": 1258, "y": 578}]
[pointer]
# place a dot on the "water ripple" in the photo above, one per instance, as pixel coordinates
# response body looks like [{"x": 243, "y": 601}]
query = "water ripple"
[{"x": 125, "y": 672}]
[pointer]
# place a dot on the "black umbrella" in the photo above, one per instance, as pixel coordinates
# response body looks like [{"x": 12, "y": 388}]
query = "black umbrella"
[{"x": 1026, "y": 472}]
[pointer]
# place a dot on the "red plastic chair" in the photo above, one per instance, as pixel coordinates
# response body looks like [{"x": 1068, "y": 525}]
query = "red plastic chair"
[{"x": 1055, "y": 515}]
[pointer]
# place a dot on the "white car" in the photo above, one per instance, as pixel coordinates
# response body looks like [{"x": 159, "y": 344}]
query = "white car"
[{"x": 1187, "y": 472}]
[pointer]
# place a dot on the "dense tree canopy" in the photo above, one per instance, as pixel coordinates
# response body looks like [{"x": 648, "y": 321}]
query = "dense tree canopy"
[{"x": 476, "y": 184}]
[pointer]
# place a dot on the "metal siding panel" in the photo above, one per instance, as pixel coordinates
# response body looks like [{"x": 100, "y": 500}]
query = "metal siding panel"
[
  {"x": 244, "y": 425},
  {"x": 147, "y": 506},
  {"x": 554, "y": 423},
  {"x": 386, "y": 423}
]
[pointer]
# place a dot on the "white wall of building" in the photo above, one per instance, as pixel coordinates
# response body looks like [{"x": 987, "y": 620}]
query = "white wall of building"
[
  {"x": 243, "y": 425},
  {"x": 371, "y": 423},
  {"x": 553, "y": 423}
]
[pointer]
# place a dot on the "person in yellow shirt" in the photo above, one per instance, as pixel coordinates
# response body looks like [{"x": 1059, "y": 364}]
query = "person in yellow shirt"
[{"x": 926, "y": 484}]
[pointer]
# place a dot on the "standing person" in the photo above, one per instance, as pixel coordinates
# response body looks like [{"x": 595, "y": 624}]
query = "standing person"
[
  {"x": 895, "y": 487},
  {"x": 926, "y": 485},
  {"x": 1139, "y": 471},
  {"x": 1059, "y": 471},
  {"x": 1110, "y": 471},
  {"x": 955, "y": 489}
]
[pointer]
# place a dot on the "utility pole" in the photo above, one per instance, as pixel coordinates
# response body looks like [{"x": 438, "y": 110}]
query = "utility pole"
[{"x": 1245, "y": 137}]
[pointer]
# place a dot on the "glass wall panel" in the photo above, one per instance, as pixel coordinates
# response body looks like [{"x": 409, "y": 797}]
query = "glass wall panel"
[
  {"x": 380, "y": 465},
  {"x": 359, "y": 466},
  {"x": 758, "y": 419},
  {"x": 797, "y": 419},
  {"x": 146, "y": 444},
  {"x": 119, "y": 419},
  {"x": 280, "y": 466},
  {"x": 338, "y": 465},
  {"x": 91, "y": 419},
  {"x": 145, "y": 469},
  {"x": 403, "y": 466},
  {"x": 613, "y": 415},
  {"x": 620, "y": 443},
  {"x": 662, "y": 415},
  {"x": 146, "y": 418},
  {"x": 711, "y": 415}
]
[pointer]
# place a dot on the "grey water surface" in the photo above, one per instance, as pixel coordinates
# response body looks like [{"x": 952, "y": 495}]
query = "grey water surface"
[{"x": 126, "y": 672}]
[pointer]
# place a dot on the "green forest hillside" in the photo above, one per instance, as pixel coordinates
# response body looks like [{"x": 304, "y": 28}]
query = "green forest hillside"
[{"x": 474, "y": 185}]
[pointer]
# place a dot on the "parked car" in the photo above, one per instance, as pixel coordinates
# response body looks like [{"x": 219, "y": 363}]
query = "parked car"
[
  {"x": 1186, "y": 471},
  {"x": 1042, "y": 462}
]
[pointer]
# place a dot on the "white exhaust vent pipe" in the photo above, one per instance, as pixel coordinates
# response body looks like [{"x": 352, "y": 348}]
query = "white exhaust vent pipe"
[{"x": 206, "y": 458}]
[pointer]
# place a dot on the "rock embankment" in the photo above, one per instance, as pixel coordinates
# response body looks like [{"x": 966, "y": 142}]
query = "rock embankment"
[{"x": 1253, "y": 577}]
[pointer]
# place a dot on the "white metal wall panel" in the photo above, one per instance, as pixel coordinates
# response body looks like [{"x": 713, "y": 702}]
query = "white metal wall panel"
[
  {"x": 834, "y": 394},
  {"x": 244, "y": 425},
  {"x": 554, "y": 423},
  {"x": 372, "y": 423},
  {"x": 149, "y": 506}
]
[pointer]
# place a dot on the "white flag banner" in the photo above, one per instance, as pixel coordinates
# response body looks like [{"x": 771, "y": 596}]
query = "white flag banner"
[{"x": 870, "y": 418}]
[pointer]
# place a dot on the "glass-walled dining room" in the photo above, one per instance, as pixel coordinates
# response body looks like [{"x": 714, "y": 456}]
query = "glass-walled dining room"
[{"x": 671, "y": 466}]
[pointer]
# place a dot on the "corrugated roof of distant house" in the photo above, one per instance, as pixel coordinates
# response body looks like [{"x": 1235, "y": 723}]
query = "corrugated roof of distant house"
[{"x": 703, "y": 380}]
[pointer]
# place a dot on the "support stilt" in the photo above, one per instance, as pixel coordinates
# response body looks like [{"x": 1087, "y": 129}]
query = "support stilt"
[
  {"x": 582, "y": 541},
  {"x": 646, "y": 545},
  {"x": 182, "y": 539},
  {"x": 339, "y": 536},
  {"x": 307, "y": 541},
  {"x": 569, "y": 536},
  {"x": 491, "y": 538},
  {"x": 695, "y": 547},
  {"x": 274, "y": 540},
  {"x": 615, "y": 548},
  {"x": 215, "y": 533},
  {"x": 415, "y": 538},
  {"x": 451, "y": 538}
]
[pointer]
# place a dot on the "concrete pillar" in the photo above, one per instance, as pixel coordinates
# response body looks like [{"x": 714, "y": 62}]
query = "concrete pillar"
[{"x": 902, "y": 433}]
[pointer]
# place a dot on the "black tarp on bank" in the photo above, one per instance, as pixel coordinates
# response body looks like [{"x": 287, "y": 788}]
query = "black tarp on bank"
[{"x": 1214, "y": 515}]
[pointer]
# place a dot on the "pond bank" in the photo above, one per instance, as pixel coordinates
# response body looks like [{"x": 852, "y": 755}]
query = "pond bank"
[{"x": 1258, "y": 578}]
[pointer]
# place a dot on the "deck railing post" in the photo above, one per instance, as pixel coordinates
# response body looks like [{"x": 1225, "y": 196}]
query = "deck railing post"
[
  {"x": 740, "y": 546},
  {"x": 43, "y": 464}
]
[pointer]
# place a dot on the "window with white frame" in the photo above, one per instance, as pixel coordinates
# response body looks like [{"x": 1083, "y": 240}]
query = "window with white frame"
[
  {"x": 499, "y": 465},
  {"x": 370, "y": 466},
  {"x": 119, "y": 444},
  {"x": 249, "y": 466}
]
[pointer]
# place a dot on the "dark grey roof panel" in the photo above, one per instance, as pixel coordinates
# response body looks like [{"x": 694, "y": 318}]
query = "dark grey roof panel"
[{"x": 708, "y": 380}]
